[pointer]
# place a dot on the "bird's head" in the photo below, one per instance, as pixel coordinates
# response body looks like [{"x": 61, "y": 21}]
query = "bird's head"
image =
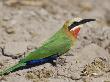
[{"x": 75, "y": 24}]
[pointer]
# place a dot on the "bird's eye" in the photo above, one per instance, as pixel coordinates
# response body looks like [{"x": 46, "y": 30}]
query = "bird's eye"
[{"x": 73, "y": 25}]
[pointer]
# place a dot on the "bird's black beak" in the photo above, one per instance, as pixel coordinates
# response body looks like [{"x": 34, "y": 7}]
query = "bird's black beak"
[{"x": 80, "y": 22}]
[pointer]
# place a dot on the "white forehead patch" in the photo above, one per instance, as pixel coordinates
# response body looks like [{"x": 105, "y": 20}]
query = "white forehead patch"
[
  {"x": 73, "y": 20},
  {"x": 77, "y": 19}
]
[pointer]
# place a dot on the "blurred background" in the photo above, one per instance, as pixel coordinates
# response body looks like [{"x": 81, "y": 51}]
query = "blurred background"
[{"x": 26, "y": 24}]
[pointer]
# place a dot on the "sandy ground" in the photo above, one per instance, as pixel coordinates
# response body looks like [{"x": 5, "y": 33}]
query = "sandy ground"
[{"x": 26, "y": 24}]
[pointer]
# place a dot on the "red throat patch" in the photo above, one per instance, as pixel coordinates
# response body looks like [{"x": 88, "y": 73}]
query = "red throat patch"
[{"x": 75, "y": 32}]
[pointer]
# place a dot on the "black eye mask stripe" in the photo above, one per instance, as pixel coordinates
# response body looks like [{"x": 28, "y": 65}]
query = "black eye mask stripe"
[{"x": 80, "y": 22}]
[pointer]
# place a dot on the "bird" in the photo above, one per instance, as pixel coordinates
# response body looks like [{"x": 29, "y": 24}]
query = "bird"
[{"x": 60, "y": 43}]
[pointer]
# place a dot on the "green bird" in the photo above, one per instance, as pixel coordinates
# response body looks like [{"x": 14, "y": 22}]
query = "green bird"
[{"x": 58, "y": 44}]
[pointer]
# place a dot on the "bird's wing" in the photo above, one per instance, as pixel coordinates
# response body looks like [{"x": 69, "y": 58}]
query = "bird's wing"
[{"x": 54, "y": 46}]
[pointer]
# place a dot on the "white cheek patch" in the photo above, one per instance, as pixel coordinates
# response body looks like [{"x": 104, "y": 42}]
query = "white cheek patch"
[
  {"x": 74, "y": 28},
  {"x": 79, "y": 26}
]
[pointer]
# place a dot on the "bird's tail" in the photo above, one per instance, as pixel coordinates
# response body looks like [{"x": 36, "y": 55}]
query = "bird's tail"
[{"x": 7, "y": 71}]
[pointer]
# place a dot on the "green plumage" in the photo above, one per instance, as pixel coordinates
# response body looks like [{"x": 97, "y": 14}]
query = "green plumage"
[
  {"x": 6, "y": 71},
  {"x": 59, "y": 43}
]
